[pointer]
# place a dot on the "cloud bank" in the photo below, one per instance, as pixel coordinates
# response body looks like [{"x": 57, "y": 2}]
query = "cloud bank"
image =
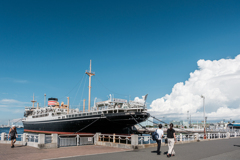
[{"x": 218, "y": 81}]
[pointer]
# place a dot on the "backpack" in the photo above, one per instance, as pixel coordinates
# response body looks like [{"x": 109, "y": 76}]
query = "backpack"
[{"x": 155, "y": 135}]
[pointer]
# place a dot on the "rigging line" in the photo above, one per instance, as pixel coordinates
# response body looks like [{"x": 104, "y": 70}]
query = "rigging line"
[
  {"x": 72, "y": 88},
  {"x": 87, "y": 125},
  {"x": 168, "y": 124},
  {"x": 109, "y": 89},
  {"x": 17, "y": 121},
  {"x": 139, "y": 123},
  {"x": 78, "y": 89},
  {"x": 83, "y": 88}
]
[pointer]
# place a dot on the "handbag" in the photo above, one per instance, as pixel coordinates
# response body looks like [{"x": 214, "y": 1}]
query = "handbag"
[{"x": 166, "y": 140}]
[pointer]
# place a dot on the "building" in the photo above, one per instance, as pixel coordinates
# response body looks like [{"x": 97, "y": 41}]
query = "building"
[{"x": 233, "y": 125}]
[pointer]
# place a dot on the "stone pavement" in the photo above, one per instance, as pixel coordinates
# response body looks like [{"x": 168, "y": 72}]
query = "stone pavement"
[
  {"x": 30, "y": 153},
  {"x": 224, "y": 149}
]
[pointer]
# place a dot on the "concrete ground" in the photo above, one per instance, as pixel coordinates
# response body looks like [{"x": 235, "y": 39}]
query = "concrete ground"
[
  {"x": 29, "y": 153},
  {"x": 225, "y": 149}
]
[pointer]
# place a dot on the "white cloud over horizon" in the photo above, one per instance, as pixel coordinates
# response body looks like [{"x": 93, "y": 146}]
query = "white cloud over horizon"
[
  {"x": 10, "y": 103},
  {"x": 218, "y": 81}
]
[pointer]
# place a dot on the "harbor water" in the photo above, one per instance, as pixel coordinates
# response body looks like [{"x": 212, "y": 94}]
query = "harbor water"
[{"x": 6, "y": 130}]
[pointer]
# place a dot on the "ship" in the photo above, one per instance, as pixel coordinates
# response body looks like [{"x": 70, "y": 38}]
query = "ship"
[{"x": 111, "y": 116}]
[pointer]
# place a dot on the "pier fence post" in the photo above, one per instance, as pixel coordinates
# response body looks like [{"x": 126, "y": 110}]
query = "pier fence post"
[
  {"x": 96, "y": 137},
  {"x": 78, "y": 139},
  {"x": 41, "y": 138},
  {"x": 134, "y": 140},
  {"x": 180, "y": 137},
  {"x": 24, "y": 138},
  {"x": 196, "y": 136},
  {"x": 54, "y": 138},
  {"x": 227, "y": 135},
  {"x": 208, "y": 135},
  {"x": 3, "y": 136},
  {"x": 113, "y": 137}
]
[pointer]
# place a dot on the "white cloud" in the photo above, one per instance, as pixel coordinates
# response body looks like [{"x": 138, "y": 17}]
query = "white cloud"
[
  {"x": 218, "y": 81},
  {"x": 13, "y": 103},
  {"x": 7, "y": 79}
]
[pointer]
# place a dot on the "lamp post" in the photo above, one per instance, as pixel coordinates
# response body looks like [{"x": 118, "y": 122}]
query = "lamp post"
[{"x": 204, "y": 116}]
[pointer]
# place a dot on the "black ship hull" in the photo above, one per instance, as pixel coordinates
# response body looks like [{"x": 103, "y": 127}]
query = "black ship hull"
[{"x": 118, "y": 123}]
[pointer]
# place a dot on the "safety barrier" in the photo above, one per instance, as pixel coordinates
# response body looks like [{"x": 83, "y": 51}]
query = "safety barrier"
[{"x": 75, "y": 140}]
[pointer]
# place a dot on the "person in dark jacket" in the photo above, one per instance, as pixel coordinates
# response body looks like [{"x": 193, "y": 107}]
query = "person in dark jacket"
[
  {"x": 171, "y": 136},
  {"x": 13, "y": 134}
]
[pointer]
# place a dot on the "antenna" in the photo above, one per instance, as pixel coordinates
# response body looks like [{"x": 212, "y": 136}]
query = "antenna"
[
  {"x": 90, "y": 74},
  {"x": 44, "y": 99},
  {"x": 33, "y": 101}
]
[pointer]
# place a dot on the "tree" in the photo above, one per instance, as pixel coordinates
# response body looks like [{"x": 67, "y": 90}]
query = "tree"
[{"x": 233, "y": 121}]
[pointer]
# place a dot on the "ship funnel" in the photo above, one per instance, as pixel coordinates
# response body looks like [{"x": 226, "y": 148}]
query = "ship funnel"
[{"x": 52, "y": 102}]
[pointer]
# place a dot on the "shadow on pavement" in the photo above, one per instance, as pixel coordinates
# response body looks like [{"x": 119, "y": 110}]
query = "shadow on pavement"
[{"x": 236, "y": 145}]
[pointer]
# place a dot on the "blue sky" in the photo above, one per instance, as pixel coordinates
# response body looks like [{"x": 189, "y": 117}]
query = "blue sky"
[{"x": 136, "y": 47}]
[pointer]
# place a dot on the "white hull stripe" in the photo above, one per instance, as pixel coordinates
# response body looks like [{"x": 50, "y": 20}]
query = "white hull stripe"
[{"x": 60, "y": 120}]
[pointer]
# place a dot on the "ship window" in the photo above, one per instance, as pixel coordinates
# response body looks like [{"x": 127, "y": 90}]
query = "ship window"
[
  {"x": 75, "y": 115},
  {"x": 90, "y": 114},
  {"x": 59, "y": 117},
  {"x": 79, "y": 115},
  {"x": 84, "y": 114},
  {"x": 52, "y": 114},
  {"x": 99, "y": 112}
]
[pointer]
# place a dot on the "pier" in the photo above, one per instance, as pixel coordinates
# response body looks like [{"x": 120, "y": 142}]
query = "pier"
[{"x": 204, "y": 150}]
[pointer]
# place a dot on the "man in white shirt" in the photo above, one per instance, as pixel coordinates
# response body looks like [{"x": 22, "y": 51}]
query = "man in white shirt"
[{"x": 160, "y": 135}]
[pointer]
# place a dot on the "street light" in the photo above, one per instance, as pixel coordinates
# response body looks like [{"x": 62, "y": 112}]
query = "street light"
[{"x": 204, "y": 116}]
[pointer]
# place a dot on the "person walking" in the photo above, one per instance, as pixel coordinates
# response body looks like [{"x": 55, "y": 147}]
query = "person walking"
[
  {"x": 171, "y": 136},
  {"x": 13, "y": 134},
  {"x": 160, "y": 135}
]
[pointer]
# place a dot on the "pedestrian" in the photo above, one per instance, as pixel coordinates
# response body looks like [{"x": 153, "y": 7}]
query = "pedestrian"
[
  {"x": 171, "y": 136},
  {"x": 160, "y": 135},
  {"x": 13, "y": 134}
]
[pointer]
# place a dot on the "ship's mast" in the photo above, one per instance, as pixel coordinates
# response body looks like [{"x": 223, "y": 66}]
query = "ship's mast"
[
  {"x": 90, "y": 74},
  {"x": 33, "y": 101}
]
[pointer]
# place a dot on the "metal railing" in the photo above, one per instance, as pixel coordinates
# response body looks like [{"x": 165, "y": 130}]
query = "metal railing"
[
  {"x": 114, "y": 138},
  {"x": 75, "y": 140}
]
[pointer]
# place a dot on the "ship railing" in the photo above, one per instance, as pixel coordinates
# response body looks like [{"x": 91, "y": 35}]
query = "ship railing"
[{"x": 114, "y": 138}]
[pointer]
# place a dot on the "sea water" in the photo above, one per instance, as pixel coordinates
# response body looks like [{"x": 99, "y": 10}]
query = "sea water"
[{"x": 6, "y": 130}]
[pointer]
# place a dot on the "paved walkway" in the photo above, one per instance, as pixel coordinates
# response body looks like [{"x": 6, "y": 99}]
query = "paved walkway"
[
  {"x": 225, "y": 149},
  {"x": 30, "y": 153}
]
